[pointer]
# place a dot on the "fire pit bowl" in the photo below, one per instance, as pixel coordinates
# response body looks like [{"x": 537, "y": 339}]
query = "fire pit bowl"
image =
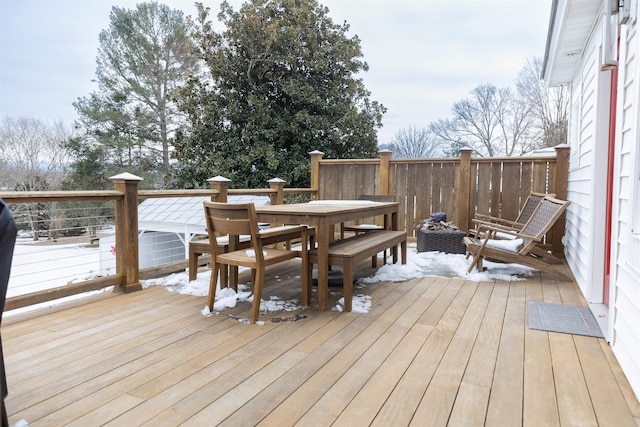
[
  {"x": 448, "y": 241},
  {"x": 435, "y": 234}
]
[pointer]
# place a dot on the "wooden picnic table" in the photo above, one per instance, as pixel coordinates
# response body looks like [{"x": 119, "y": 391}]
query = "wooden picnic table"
[{"x": 323, "y": 215}]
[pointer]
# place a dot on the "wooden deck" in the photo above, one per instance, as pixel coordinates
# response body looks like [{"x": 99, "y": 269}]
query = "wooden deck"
[{"x": 431, "y": 352}]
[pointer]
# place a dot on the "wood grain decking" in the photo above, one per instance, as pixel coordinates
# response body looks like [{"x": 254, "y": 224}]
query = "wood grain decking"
[{"x": 431, "y": 352}]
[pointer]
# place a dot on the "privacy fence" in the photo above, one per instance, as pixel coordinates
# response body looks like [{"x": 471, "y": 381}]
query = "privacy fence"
[{"x": 460, "y": 187}]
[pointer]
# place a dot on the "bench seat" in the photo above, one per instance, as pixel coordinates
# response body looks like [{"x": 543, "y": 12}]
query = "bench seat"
[{"x": 348, "y": 251}]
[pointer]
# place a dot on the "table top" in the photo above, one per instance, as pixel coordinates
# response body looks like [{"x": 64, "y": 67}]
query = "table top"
[{"x": 328, "y": 207}]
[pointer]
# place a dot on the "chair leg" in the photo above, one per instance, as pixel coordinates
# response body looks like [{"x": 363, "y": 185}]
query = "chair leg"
[
  {"x": 224, "y": 276},
  {"x": 212, "y": 285},
  {"x": 233, "y": 277},
  {"x": 257, "y": 281},
  {"x": 476, "y": 262}
]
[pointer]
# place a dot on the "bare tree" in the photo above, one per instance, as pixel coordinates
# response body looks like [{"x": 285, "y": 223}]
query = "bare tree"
[
  {"x": 517, "y": 127},
  {"x": 32, "y": 158},
  {"x": 550, "y": 106},
  {"x": 414, "y": 143},
  {"x": 493, "y": 122},
  {"x": 32, "y": 154}
]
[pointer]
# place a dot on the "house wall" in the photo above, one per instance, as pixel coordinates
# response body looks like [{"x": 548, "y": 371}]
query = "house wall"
[
  {"x": 625, "y": 292},
  {"x": 585, "y": 227},
  {"x": 588, "y": 138}
]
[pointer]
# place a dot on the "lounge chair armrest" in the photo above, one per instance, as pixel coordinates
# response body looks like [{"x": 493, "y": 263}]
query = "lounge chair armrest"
[
  {"x": 497, "y": 221},
  {"x": 493, "y": 219},
  {"x": 494, "y": 228}
]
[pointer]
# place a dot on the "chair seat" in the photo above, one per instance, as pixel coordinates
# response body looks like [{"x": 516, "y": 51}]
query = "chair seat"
[{"x": 244, "y": 257}]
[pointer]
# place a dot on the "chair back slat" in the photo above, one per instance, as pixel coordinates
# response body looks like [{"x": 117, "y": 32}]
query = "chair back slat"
[{"x": 233, "y": 220}]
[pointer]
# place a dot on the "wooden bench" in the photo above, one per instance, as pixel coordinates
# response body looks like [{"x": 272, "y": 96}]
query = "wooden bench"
[
  {"x": 347, "y": 251},
  {"x": 197, "y": 248}
]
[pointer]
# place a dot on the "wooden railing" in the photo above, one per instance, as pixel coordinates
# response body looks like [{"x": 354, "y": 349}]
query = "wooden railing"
[
  {"x": 126, "y": 198},
  {"x": 460, "y": 187}
]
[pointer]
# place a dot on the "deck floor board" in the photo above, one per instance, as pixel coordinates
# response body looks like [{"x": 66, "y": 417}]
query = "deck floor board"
[{"x": 430, "y": 351}]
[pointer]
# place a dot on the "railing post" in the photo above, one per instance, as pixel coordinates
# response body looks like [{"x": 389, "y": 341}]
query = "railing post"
[
  {"x": 221, "y": 184},
  {"x": 561, "y": 184},
  {"x": 126, "y": 217},
  {"x": 384, "y": 177},
  {"x": 277, "y": 184},
  {"x": 316, "y": 156},
  {"x": 463, "y": 190}
]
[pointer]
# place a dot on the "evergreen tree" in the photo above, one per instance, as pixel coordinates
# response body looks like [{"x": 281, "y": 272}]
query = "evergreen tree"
[
  {"x": 281, "y": 80},
  {"x": 143, "y": 57}
]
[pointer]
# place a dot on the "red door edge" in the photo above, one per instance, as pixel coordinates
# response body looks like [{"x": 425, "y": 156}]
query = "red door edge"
[{"x": 610, "y": 164}]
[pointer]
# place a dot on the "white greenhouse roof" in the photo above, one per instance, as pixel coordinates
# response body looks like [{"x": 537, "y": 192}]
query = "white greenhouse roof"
[{"x": 182, "y": 214}]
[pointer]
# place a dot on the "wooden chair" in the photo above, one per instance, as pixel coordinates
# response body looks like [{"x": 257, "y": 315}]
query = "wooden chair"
[
  {"x": 548, "y": 211},
  {"x": 360, "y": 228},
  {"x": 239, "y": 219},
  {"x": 528, "y": 207}
]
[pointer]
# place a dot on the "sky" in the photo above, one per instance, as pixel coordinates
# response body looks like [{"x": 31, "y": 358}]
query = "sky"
[{"x": 423, "y": 55}]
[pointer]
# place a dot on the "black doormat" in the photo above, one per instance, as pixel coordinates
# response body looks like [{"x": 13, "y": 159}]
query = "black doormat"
[{"x": 567, "y": 319}]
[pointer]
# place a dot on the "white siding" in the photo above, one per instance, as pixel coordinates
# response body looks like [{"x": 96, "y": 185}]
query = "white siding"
[
  {"x": 588, "y": 137},
  {"x": 625, "y": 295},
  {"x": 587, "y": 178}
]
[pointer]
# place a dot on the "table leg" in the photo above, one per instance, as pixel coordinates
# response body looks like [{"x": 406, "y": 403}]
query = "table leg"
[{"x": 323, "y": 265}]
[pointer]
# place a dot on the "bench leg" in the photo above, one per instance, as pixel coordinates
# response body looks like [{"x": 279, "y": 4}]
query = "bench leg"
[{"x": 347, "y": 284}]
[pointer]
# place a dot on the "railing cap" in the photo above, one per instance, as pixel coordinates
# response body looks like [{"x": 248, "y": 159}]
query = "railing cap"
[
  {"x": 218, "y": 179},
  {"x": 126, "y": 177},
  {"x": 276, "y": 180},
  {"x": 316, "y": 152}
]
